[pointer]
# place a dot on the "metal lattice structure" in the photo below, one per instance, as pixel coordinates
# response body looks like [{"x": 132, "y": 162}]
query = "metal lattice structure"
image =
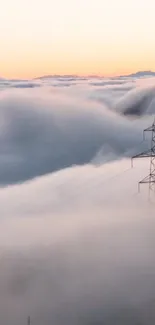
[{"x": 150, "y": 179}]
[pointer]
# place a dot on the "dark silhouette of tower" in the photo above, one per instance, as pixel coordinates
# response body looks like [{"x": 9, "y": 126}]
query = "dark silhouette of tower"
[{"x": 150, "y": 179}]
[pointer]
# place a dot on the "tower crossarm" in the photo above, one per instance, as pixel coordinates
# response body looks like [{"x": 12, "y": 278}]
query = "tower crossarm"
[{"x": 145, "y": 154}]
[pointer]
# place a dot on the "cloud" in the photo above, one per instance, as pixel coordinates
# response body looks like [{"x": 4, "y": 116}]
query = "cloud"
[
  {"x": 122, "y": 89},
  {"x": 110, "y": 94},
  {"x": 137, "y": 102},
  {"x": 54, "y": 129},
  {"x": 109, "y": 82},
  {"x": 18, "y": 84},
  {"x": 65, "y": 84},
  {"x": 78, "y": 246},
  {"x": 25, "y": 85},
  {"x": 42, "y": 133}
]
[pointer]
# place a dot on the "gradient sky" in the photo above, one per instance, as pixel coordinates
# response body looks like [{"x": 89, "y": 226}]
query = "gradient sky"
[{"x": 106, "y": 37}]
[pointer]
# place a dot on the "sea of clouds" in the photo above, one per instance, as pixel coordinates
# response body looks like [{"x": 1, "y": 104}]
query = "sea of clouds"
[{"x": 77, "y": 241}]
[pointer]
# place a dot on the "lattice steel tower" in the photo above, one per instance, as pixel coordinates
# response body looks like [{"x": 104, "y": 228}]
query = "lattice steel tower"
[{"x": 150, "y": 179}]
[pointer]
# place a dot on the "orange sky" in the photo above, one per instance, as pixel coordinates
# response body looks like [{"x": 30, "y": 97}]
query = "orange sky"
[{"x": 83, "y": 37}]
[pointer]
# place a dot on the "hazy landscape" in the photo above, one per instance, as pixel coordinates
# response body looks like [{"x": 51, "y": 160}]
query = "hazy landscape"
[{"x": 77, "y": 240}]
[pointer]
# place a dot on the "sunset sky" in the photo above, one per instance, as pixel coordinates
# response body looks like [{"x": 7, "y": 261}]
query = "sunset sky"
[{"x": 106, "y": 37}]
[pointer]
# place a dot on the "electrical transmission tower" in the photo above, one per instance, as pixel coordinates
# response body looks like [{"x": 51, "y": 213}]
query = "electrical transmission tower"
[{"x": 150, "y": 179}]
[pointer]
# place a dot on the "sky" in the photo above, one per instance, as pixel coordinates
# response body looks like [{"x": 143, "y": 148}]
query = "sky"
[{"x": 101, "y": 37}]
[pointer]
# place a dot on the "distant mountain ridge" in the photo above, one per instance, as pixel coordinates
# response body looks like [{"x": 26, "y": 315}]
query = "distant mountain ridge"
[
  {"x": 56, "y": 76},
  {"x": 140, "y": 74},
  {"x": 70, "y": 76}
]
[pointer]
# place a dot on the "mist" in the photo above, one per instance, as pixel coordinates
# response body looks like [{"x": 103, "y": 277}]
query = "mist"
[
  {"x": 77, "y": 240},
  {"x": 57, "y": 127}
]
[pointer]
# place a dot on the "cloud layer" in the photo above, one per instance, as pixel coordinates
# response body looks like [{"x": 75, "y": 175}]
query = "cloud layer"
[
  {"x": 77, "y": 243},
  {"x": 75, "y": 249},
  {"x": 55, "y": 128}
]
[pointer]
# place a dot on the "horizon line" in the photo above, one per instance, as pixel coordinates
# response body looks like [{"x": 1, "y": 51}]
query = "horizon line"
[{"x": 54, "y": 75}]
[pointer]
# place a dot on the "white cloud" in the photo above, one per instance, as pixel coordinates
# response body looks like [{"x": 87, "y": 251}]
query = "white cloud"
[
  {"x": 58, "y": 127},
  {"x": 77, "y": 245}
]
